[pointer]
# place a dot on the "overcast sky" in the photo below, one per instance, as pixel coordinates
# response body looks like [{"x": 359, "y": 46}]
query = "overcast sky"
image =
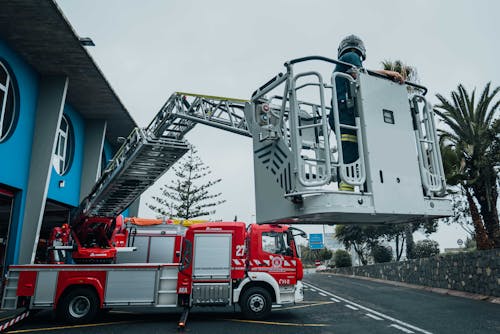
[{"x": 150, "y": 49}]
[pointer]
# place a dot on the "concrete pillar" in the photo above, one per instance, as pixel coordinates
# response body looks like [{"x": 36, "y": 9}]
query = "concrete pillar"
[
  {"x": 95, "y": 132},
  {"x": 50, "y": 106}
]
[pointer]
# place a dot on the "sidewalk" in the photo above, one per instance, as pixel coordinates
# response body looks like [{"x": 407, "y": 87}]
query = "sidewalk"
[{"x": 456, "y": 293}]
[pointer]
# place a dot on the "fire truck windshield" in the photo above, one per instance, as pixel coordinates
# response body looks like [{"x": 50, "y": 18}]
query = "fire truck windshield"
[
  {"x": 282, "y": 243},
  {"x": 275, "y": 243}
]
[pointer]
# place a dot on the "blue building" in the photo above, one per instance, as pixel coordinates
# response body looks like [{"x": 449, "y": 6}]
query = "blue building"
[{"x": 59, "y": 124}]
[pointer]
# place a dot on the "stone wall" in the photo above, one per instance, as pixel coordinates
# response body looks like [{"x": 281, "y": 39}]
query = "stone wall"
[{"x": 475, "y": 272}]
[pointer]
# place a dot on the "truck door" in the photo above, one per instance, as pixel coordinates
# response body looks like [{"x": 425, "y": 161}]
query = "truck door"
[
  {"x": 276, "y": 257},
  {"x": 212, "y": 268},
  {"x": 212, "y": 257}
]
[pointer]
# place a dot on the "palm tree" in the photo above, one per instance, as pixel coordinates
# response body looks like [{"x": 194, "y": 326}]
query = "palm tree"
[
  {"x": 408, "y": 72},
  {"x": 473, "y": 133},
  {"x": 454, "y": 169}
]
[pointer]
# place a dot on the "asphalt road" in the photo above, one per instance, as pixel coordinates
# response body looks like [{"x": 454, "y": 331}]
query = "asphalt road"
[{"x": 332, "y": 305}]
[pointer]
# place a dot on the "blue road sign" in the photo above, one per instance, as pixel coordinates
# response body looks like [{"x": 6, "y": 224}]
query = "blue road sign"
[{"x": 316, "y": 241}]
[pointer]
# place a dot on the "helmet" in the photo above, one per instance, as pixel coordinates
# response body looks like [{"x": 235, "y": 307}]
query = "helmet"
[{"x": 352, "y": 42}]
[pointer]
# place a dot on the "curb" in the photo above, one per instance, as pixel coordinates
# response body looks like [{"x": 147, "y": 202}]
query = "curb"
[{"x": 455, "y": 293}]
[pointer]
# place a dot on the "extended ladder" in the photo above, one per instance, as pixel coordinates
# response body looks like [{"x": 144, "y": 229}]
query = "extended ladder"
[{"x": 148, "y": 153}]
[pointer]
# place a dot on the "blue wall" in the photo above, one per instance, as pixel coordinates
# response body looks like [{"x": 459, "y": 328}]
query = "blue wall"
[
  {"x": 14, "y": 171},
  {"x": 70, "y": 193},
  {"x": 16, "y": 150}
]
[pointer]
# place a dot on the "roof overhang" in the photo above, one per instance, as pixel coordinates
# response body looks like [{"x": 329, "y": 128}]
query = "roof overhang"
[{"x": 39, "y": 32}]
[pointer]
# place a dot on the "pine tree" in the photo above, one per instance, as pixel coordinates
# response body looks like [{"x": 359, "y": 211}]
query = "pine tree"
[{"x": 188, "y": 195}]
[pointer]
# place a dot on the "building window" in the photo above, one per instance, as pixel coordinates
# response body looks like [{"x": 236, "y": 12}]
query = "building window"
[
  {"x": 8, "y": 103},
  {"x": 63, "y": 152}
]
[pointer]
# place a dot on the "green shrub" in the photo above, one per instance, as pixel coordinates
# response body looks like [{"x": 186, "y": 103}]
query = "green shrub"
[
  {"x": 381, "y": 254},
  {"x": 342, "y": 258},
  {"x": 426, "y": 248}
]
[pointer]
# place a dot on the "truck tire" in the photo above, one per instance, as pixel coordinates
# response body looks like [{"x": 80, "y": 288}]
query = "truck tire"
[
  {"x": 79, "y": 305},
  {"x": 256, "y": 303}
]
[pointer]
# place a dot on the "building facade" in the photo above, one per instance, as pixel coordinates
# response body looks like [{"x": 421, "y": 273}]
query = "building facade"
[{"x": 59, "y": 124}]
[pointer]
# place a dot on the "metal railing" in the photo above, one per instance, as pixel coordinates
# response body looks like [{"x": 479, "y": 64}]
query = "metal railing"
[
  {"x": 316, "y": 170},
  {"x": 429, "y": 155},
  {"x": 351, "y": 173},
  {"x": 310, "y": 134}
]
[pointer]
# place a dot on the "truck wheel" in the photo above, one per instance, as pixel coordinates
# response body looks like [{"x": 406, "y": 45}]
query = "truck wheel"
[
  {"x": 255, "y": 303},
  {"x": 78, "y": 306}
]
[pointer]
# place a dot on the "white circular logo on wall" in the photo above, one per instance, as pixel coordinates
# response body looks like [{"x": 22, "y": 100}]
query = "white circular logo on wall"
[{"x": 277, "y": 262}]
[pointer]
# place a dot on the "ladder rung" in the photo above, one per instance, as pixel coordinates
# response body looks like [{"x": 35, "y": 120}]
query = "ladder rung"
[
  {"x": 315, "y": 125},
  {"x": 345, "y": 126}
]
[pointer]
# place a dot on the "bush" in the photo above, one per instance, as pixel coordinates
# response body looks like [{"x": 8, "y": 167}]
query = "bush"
[
  {"x": 342, "y": 259},
  {"x": 381, "y": 254},
  {"x": 309, "y": 256},
  {"x": 426, "y": 248}
]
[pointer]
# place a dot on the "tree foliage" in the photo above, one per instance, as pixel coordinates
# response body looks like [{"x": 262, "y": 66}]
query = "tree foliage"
[
  {"x": 188, "y": 195},
  {"x": 342, "y": 258},
  {"x": 399, "y": 234},
  {"x": 470, "y": 243},
  {"x": 309, "y": 256},
  {"x": 461, "y": 213},
  {"x": 426, "y": 248},
  {"x": 409, "y": 73},
  {"x": 381, "y": 254},
  {"x": 359, "y": 237},
  {"x": 454, "y": 167},
  {"x": 364, "y": 238},
  {"x": 471, "y": 156}
]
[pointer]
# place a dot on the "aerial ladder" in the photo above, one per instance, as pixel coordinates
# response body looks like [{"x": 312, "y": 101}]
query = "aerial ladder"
[
  {"x": 148, "y": 153},
  {"x": 298, "y": 159}
]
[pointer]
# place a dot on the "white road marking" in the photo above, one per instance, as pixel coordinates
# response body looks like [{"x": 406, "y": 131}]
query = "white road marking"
[
  {"x": 415, "y": 328},
  {"x": 352, "y": 307},
  {"x": 321, "y": 293},
  {"x": 335, "y": 300},
  {"x": 312, "y": 289},
  {"x": 406, "y": 330},
  {"x": 277, "y": 306},
  {"x": 373, "y": 316}
]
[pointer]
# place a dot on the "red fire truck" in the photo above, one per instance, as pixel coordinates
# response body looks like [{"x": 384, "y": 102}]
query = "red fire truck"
[
  {"x": 298, "y": 163},
  {"x": 207, "y": 264}
]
